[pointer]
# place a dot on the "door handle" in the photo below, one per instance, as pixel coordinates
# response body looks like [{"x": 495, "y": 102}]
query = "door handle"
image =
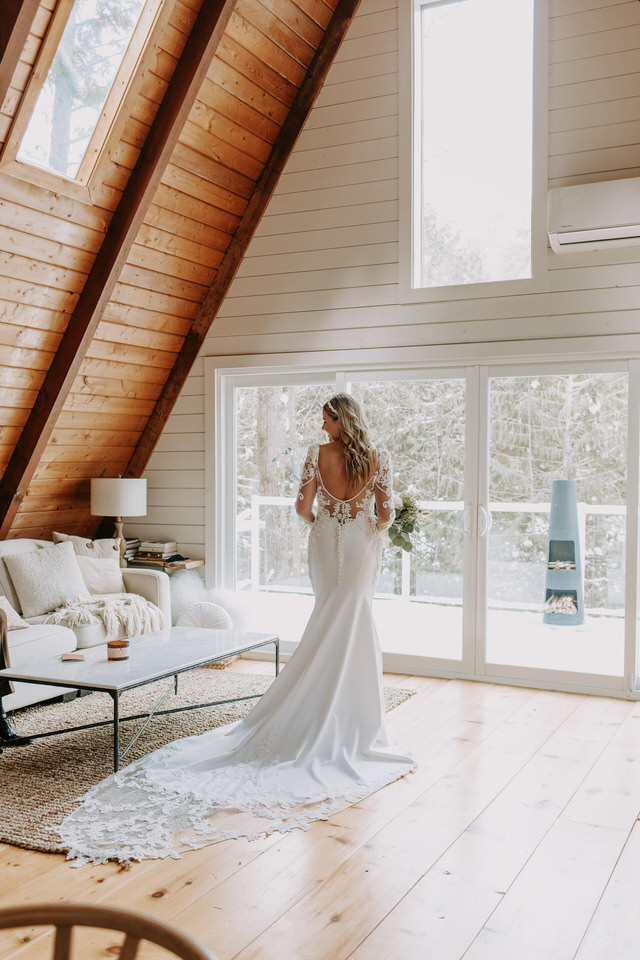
[{"x": 484, "y": 521}]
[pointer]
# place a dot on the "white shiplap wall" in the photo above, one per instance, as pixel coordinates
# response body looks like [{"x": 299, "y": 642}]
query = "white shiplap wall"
[
  {"x": 176, "y": 475},
  {"x": 322, "y": 269}
]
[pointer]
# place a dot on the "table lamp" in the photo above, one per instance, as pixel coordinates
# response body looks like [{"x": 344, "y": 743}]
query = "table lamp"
[{"x": 119, "y": 497}]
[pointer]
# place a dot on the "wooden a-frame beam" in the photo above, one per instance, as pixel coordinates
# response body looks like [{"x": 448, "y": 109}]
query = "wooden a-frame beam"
[
  {"x": 289, "y": 132},
  {"x": 16, "y": 17},
  {"x": 127, "y": 219}
]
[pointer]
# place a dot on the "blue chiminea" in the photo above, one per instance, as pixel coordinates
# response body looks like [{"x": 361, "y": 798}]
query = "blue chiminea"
[{"x": 564, "y": 602}]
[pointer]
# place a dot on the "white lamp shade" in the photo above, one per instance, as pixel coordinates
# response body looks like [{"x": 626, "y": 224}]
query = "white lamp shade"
[{"x": 118, "y": 497}]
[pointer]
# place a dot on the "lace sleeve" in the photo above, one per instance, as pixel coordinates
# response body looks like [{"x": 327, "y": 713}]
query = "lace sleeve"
[
  {"x": 384, "y": 491},
  {"x": 307, "y": 489}
]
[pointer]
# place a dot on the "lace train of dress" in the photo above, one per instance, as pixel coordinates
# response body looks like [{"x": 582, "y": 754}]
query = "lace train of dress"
[{"x": 315, "y": 741}]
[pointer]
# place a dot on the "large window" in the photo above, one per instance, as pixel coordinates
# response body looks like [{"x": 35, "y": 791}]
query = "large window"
[
  {"x": 526, "y": 565},
  {"x": 77, "y": 84},
  {"x": 472, "y": 141},
  {"x": 72, "y": 107}
]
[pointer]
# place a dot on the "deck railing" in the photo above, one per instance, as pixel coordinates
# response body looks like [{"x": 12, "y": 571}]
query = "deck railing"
[{"x": 250, "y": 519}]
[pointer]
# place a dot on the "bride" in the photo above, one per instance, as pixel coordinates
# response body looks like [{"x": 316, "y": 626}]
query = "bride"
[{"x": 316, "y": 740}]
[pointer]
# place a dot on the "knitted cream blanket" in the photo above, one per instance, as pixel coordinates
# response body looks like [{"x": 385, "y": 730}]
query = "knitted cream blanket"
[{"x": 116, "y": 610}]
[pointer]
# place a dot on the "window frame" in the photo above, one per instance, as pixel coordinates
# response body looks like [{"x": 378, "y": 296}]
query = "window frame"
[
  {"x": 111, "y": 122},
  {"x": 406, "y": 223},
  {"x": 580, "y": 355}
]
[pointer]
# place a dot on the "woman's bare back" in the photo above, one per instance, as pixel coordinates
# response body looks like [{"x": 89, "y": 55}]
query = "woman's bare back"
[{"x": 333, "y": 470}]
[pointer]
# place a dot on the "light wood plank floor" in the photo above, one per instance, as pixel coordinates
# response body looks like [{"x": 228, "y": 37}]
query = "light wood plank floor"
[{"x": 516, "y": 839}]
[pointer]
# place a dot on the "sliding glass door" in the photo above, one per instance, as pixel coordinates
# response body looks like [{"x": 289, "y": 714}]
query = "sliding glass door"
[
  {"x": 421, "y": 420},
  {"x": 525, "y": 565},
  {"x": 554, "y": 553}
]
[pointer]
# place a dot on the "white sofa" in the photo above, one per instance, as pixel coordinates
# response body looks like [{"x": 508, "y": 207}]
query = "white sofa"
[{"x": 40, "y": 640}]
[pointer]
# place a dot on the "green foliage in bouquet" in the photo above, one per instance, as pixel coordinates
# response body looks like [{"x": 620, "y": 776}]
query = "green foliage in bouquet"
[{"x": 407, "y": 521}]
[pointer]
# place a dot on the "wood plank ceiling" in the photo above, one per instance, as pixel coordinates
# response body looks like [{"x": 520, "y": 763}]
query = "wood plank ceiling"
[{"x": 106, "y": 300}]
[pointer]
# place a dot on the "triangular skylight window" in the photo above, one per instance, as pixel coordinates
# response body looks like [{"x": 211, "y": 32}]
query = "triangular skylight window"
[{"x": 77, "y": 85}]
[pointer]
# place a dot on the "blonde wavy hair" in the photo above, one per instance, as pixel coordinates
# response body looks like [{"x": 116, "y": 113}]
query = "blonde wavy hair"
[{"x": 360, "y": 456}]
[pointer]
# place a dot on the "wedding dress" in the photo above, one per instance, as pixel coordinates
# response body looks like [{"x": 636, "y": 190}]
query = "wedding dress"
[{"x": 315, "y": 741}]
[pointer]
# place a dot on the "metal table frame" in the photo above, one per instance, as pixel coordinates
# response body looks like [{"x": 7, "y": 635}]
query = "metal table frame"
[{"x": 15, "y": 674}]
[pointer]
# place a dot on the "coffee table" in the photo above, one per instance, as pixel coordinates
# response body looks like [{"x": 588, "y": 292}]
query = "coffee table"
[{"x": 154, "y": 656}]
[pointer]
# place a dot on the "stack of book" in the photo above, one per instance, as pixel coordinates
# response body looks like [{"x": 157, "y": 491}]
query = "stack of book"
[
  {"x": 162, "y": 554},
  {"x": 131, "y": 548},
  {"x": 153, "y": 553},
  {"x": 158, "y": 548}
]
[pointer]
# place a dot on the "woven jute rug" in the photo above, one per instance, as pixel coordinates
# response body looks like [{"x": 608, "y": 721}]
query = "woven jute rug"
[{"x": 43, "y": 782}]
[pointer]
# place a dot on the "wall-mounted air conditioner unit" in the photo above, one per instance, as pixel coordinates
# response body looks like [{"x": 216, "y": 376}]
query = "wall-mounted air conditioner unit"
[{"x": 592, "y": 216}]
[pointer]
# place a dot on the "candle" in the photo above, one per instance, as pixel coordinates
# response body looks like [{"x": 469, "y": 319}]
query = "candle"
[{"x": 118, "y": 650}]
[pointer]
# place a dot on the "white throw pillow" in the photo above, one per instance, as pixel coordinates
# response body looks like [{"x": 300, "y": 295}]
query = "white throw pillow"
[
  {"x": 102, "y": 574},
  {"x": 85, "y": 547},
  {"x": 205, "y": 614},
  {"x": 47, "y": 578},
  {"x": 14, "y": 620}
]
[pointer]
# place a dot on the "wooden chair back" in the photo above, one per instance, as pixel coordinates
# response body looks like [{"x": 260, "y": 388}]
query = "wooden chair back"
[{"x": 136, "y": 928}]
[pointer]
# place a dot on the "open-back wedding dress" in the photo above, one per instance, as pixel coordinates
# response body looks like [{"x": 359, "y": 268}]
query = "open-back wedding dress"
[{"x": 315, "y": 741}]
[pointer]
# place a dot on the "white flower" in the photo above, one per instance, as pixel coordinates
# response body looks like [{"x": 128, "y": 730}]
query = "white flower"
[{"x": 397, "y": 501}]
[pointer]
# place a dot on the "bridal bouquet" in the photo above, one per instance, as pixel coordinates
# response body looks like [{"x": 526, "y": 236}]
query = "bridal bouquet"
[{"x": 407, "y": 521}]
